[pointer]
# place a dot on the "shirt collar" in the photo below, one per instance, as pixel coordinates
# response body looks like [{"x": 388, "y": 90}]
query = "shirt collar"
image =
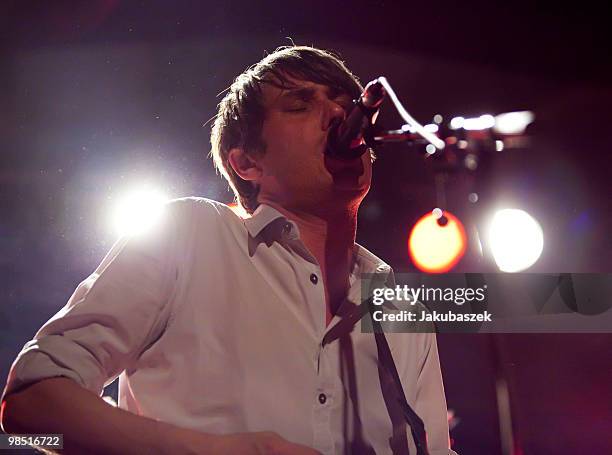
[
  {"x": 261, "y": 217},
  {"x": 365, "y": 261}
]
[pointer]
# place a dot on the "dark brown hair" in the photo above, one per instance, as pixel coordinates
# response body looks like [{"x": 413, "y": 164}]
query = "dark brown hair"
[{"x": 241, "y": 113}]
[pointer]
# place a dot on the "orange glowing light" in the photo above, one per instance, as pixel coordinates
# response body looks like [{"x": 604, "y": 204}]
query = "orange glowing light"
[{"x": 434, "y": 248}]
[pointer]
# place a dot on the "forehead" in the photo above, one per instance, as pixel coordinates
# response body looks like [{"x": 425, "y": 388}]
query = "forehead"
[{"x": 274, "y": 90}]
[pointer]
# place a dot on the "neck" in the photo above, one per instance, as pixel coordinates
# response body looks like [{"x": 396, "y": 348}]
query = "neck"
[
  {"x": 326, "y": 235},
  {"x": 330, "y": 238}
]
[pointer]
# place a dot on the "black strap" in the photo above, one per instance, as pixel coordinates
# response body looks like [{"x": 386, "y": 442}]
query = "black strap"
[
  {"x": 385, "y": 358},
  {"x": 417, "y": 427}
]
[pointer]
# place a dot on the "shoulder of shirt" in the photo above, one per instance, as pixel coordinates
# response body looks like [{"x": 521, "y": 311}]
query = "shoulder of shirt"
[
  {"x": 201, "y": 210},
  {"x": 370, "y": 263}
]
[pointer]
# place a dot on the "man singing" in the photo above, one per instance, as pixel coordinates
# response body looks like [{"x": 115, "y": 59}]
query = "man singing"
[{"x": 223, "y": 329}]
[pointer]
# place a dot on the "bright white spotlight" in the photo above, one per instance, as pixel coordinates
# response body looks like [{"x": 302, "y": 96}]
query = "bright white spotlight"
[
  {"x": 516, "y": 240},
  {"x": 138, "y": 211},
  {"x": 513, "y": 122},
  {"x": 457, "y": 123},
  {"x": 479, "y": 123}
]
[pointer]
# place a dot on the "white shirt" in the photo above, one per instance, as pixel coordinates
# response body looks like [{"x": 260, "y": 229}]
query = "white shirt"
[{"x": 215, "y": 323}]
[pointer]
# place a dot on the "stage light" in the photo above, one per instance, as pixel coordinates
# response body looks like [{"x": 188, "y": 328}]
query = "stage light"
[
  {"x": 437, "y": 242},
  {"x": 513, "y": 122},
  {"x": 479, "y": 123},
  {"x": 457, "y": 123},
  {"x": 506, "y": 123},
  {"x": 138, "y": 211},
  {"x": 516, "y": 240}
]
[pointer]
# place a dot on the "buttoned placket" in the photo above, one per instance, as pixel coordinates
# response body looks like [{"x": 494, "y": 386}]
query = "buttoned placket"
[
  {"x": 323, "y": 397},
  {"x": 328, "y": 382},
  {"x": 330, "y": 385}
]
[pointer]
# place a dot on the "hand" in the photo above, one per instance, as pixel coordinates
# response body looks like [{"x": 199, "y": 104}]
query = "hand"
[{"x": 262, "y": 443}]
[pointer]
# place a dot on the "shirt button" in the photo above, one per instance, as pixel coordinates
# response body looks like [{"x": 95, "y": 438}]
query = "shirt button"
[
  {"x": 322, "y": 398},
  {"x": 314, "y": 279}
]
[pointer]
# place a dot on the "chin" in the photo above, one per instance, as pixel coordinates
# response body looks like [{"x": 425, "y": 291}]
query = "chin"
[
  {"x": 351, "y": 190},
  {"x": 352, "y": 181}
]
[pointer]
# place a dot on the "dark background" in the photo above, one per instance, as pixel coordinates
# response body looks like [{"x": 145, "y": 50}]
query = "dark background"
[{"x": 97, "y": 96}]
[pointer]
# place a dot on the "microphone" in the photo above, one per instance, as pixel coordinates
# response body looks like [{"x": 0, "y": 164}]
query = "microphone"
[{"x": 345, "y": 137}]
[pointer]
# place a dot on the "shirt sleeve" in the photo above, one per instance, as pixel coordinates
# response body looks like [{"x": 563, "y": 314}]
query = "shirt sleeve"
[{"x": 111, "y": 317}]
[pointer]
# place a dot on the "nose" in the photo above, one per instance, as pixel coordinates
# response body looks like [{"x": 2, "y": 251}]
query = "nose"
[{"x": 334, "y": 114}]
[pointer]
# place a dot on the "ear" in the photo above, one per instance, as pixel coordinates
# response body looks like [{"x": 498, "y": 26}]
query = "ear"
[{"x": 244, "y": 165}]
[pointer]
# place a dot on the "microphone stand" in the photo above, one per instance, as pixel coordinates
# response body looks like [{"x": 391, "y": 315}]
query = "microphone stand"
[{"x": 469, "y": 146}]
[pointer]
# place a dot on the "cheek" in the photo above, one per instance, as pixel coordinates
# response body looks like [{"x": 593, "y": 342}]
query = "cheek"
[
  {"x": 291, "y": 145},
  {"x": 280, "y": 138}
]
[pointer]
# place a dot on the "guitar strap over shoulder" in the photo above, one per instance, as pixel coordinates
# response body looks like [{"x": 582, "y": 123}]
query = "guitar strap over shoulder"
[{"x": 417, "y": 427}]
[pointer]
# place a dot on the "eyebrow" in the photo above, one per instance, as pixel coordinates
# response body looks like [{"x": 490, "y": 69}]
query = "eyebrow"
[
  {"x": 308, "y": 93},
  {"x": 302, "y": 93}
]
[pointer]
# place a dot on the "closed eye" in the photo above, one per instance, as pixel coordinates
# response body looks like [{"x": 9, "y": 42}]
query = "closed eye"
[{"x": 345, "y": 102}]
